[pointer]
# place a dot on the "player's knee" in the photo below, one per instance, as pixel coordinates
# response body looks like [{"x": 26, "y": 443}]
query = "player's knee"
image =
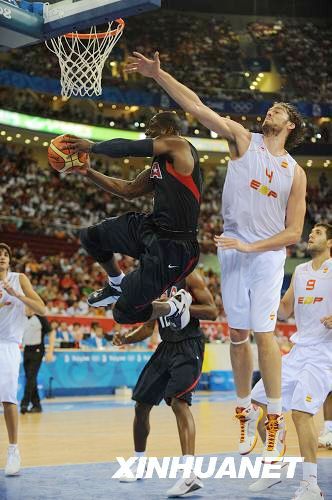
[
  {"x": 299, "y": 417},
  {"x": 90, "y": 241},
  {"x": 142, "y": 410},
  {"x": 178, "y": 405},
  {"x": 239, "y": 337}
]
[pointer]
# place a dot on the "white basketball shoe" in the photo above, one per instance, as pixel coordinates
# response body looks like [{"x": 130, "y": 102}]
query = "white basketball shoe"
[
  {"x": 13, "y": 464},
  {"x": 249, "y": 418}
]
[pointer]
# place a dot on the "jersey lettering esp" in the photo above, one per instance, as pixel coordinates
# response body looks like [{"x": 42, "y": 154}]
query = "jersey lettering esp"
[
  {"x": 312, "y": 301},
  {"x": 177, "y": 197},
  {"x": 256, "y": 193}
]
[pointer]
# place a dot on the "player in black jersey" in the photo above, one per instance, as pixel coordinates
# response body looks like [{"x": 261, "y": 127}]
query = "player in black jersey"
[
  {"x": 164, "y": 241},
  {"x": 172, "y": 373}
]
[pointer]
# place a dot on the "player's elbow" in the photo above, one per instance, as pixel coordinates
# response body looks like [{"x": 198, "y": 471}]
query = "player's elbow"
[
  {"x": 295, "y": 235},
  {"x": 42, "y": 310},
  {"x": 212, "y": 313}
]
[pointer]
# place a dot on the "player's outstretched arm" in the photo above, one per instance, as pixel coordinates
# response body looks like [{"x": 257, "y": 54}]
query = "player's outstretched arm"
[
  {"x": 129, "y": 190},
  {"x": 141, "y": 333},
  {"x": 286, "y": 307},
  {"x": 204, "y": 307},
  {"x": 186, "y": 98}
]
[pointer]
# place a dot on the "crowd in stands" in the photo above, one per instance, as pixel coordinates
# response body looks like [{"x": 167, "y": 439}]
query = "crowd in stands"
[
  {"x": 302, "y": 52},
  {"x": 206, "y": 54}
]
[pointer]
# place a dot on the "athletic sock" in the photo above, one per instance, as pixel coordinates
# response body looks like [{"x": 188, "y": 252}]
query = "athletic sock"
[
  {"x": 139, "y": 454},
  {"x": 274, "y": 406},
  {"x": 116, "y": 280},
  {"x": 328, "y": 426},
  {"x": 243, "y": 402},
  {"x": 309, "y": 471}
]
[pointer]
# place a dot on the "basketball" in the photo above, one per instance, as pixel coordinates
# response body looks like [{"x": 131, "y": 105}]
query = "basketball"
[{"x": 60, "y": 158}]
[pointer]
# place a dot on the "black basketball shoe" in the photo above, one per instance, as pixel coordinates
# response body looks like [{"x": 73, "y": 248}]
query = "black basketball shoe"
[{"x": 104, "y": 296}]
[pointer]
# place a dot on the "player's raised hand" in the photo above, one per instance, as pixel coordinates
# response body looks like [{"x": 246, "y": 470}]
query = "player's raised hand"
[
  {"x": 10, "y": 290},
  {"x": 76, "y": 145},
  {"x": 142, "y": 65},
  {"x": 327, "y": 321}
]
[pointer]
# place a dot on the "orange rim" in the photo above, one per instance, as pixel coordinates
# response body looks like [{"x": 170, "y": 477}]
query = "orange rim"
[{"x": 86, "y": 36}]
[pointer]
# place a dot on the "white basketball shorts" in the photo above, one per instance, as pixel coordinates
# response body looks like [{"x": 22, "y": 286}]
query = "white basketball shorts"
[
  {"x": 10, "y": 357},
  {"x": 306, "y": 378},
  {"x": 250, "y": 287}
]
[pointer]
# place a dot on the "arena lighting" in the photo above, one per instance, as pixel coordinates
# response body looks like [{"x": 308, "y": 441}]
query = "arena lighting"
[
  {"x": 247, "y": 74},
  {"x": 252, "y": 87},
  {"x": 261, "y": 75},
  {"x": 113, "y": 106},
  {"x": 9, "y": 138},
  {"x": 313, "y": 139},
  {"x": 36, "y": 138},
  {"x": 196, "y": 131},
  {"x": 126, "y": 160},
  {"x": 206, "y": 157},
  {"x": 100, "y": 105},
  {"x": 142, "y": 125},
  {"x": 45, "y": 144},
  {"x": 27, "y": 141},
  {"x": 18, "y": 136},
  {"x": 127, "y": 108},
  {"x": 243, "y": 118},
  {"x": 318, "y": 136},
  {"x": 112, "y": 124},
  {"x": 58, "y": 127},
  {"x": 55, "y": 98},
  {"x": 214, "y": 135},
  {"x": 259, "y": 118}
]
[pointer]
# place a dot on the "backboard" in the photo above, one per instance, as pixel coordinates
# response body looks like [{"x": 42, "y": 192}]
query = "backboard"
[{"x": 33, "y": 22}]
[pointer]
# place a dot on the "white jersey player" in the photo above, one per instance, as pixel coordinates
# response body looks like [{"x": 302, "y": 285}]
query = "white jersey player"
[
  {"x": 16, "y": 292},
  {"x": 263, "y": 209},
  {"x": 307, "y": 370}
]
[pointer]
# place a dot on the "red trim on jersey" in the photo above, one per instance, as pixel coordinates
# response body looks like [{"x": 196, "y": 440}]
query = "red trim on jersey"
[
  {"x": 189, "y": 388},
  {"x": 186, "y": 180}
]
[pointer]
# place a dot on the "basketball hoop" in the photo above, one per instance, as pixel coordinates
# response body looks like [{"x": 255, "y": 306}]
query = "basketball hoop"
[{"x": 82, "y": 57}]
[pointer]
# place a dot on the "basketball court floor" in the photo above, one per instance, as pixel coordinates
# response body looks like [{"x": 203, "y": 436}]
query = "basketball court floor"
[{"x": 69, "y": 451}]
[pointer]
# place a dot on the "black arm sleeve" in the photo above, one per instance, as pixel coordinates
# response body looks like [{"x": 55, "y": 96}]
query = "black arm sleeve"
[
  {"x": 46, "y": 327},
  {"x": 119, "y": 148}
]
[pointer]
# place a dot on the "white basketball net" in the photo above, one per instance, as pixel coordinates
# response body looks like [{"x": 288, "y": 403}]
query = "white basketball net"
[{"x": 82, "y": 59}]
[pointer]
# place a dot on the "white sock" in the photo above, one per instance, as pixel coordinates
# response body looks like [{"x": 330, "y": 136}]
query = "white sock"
[
  {"x": 243, "y": 402},
  {"x": 173, "y": 308},
  {"x": 139, "y": 454},
  {"x": 116, "y": 280},
  {"x": 309, "y": 471},
  {"x": 274, "y": 406},
  {"x": 328, "y": 426}
]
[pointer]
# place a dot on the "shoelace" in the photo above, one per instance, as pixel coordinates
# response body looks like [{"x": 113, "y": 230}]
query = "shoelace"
[
  {"x": 242, "y": 419},
  {"x": 272, "y": 428}
]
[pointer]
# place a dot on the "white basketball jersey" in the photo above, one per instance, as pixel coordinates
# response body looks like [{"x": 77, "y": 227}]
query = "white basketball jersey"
[
  {"x": 12, "y": 312},
  {"x": 312, "y": 301},
  {"x": 256, "y": 193}
]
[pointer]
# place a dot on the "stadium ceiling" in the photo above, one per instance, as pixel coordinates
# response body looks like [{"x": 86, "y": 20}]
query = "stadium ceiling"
[{"x": 288, "y": 8}]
